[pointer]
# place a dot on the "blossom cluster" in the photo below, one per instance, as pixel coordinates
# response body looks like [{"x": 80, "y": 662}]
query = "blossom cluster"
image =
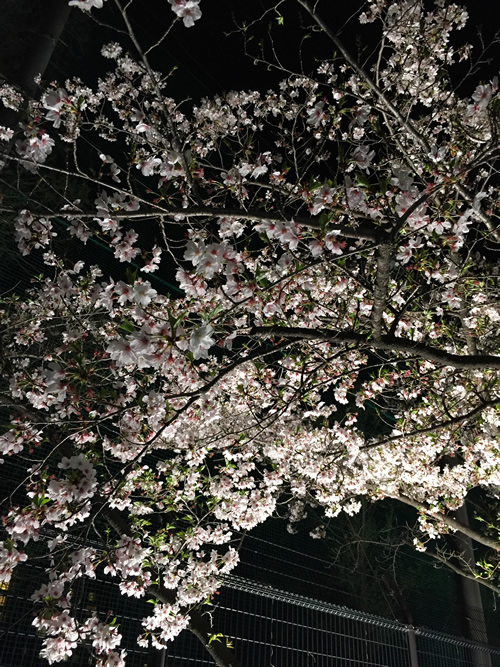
[
  {"x": 188, "y": 10},
  {"x": 324, "y": 266}
]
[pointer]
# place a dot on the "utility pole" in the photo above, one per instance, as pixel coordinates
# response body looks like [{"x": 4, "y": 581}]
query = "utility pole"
[{"x": 471, "y": 595}]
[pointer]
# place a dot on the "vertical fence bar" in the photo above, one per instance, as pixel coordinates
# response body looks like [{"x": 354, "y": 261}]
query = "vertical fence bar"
[{"x": 412, "y": 647}]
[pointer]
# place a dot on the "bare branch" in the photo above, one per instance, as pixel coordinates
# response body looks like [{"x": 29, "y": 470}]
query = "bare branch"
[{"x": 463, "y": 573}]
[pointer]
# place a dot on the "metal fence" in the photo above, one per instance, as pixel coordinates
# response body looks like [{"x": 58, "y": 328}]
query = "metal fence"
[
  {"x": 268, "y": 627},
  {"x": 283, "y": 630}
]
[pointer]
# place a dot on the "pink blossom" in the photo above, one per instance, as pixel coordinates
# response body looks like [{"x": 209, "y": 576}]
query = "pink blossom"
[
  {"x": 121, "y": 351},
  {"x": 188, "y": 10},
  {"x": 6, "y": 133},
  {"x": 482, "y": 95},
  {"x": 86, "y": 5},
  {"x": 201, "y": 341},
  {"x": 55, "y": 101},
  {"x": 363, "y": 157},
  {"x": 144, "y": 293},
  {"x": 316, "y": 115}
]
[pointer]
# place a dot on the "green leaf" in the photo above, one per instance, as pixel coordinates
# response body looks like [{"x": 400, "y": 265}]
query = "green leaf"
[
  {"x": 362, "y": 179},
  {"x": 131, "y": 276},
  {"x": 175, "y": 321},
  {"x": 40, "y": 500},
  {"x": 126, "y": 325},
  {"x": 324, "y": 219},
  {"x": 314, "y": 184}
]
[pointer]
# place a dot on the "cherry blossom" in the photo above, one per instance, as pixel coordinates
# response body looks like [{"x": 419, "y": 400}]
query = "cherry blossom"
[
  {"x": 482, "y": 95},
  {"x": 201, "y": 341},
  {"x": 324, "y": 263},
  {"x": 363, "y": 157},
  {"x": 144, "y": 293},
  {"x": 54, "y": 102},
  {"x": 188, "y": 10},
  {"x": 316, "y": 115},
  {"x": 86, "y": 5}
]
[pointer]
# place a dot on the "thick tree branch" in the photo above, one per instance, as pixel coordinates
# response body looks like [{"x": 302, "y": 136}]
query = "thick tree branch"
[
  {"x": 449, "y": 521},
  {"x": 389, "y": 343},
  {"x": 363, "y": 231},
  {"x": 468, "y": 575},
  {"x": 22, "y": 409}
]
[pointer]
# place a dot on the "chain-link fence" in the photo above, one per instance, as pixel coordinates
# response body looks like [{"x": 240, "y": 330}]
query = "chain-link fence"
[{"x": 267, "y": 626}]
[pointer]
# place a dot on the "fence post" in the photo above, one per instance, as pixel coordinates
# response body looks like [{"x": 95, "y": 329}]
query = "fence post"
[{"x": 412, "y": 646}]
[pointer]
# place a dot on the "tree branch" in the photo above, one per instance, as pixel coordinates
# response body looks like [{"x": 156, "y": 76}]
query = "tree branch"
[
  {"x": 463, "y": 573},
  {"x": 389, "y": 343},
  {"x": 21, "y": 409},
  {"x": 436, "y": 427},
  {"x": 364, "y": 231},
  {"x": 449, "y": 521}
]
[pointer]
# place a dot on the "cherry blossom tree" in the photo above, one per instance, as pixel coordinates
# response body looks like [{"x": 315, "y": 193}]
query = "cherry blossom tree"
[{"x": 335, "y": 241}]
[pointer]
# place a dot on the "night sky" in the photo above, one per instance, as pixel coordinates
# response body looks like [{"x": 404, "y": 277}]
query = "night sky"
[{"x": 211, "y": 55}]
